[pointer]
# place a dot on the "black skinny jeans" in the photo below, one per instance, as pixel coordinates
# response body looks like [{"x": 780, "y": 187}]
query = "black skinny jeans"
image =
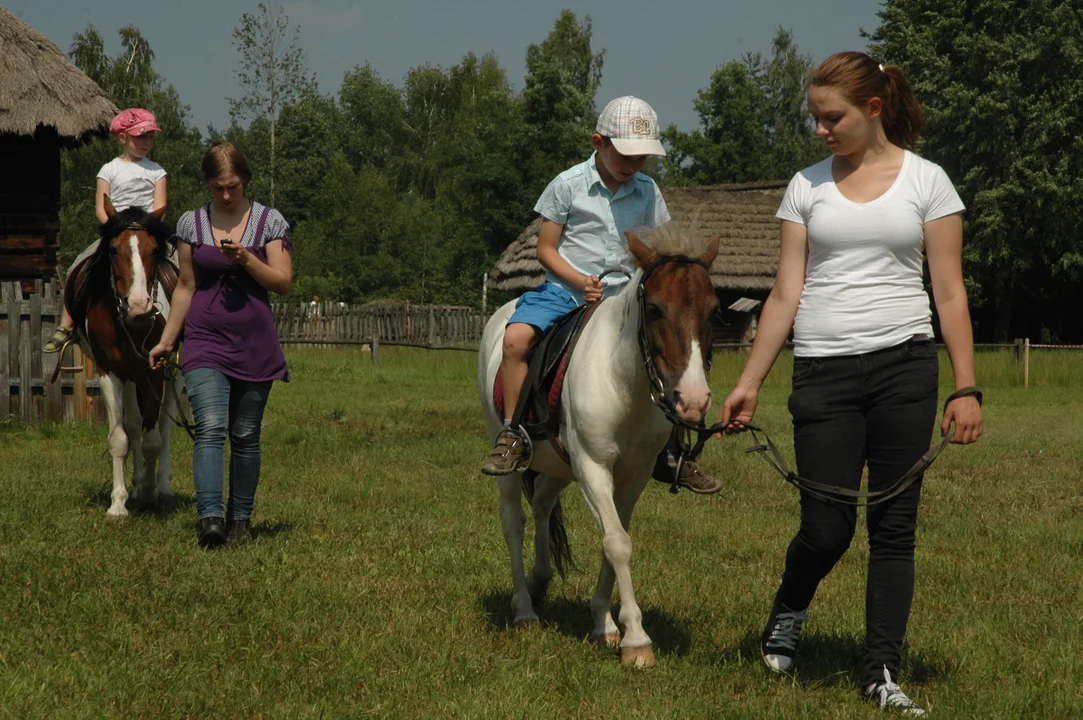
[{"x": 875, "y": 409}]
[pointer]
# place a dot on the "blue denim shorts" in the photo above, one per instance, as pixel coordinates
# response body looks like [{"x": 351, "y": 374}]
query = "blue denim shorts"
[{"x": 543, "y": 306}]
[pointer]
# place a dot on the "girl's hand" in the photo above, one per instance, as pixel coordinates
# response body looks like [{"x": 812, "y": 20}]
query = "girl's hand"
[
  {"x": 965, "y": 412},
  {"x": 739, "y": 407},
  {"x": 234, "y": 251},
  {"x": 159, "y": 353}
]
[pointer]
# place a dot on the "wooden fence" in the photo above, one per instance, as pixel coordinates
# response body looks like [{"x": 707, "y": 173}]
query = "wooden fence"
[
  {"x": 26, "y": 323},
  {"x": 331, "y": 324}
]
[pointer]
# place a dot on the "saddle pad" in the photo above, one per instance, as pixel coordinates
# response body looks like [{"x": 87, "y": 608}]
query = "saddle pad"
[{"x": 552, "y": 393}]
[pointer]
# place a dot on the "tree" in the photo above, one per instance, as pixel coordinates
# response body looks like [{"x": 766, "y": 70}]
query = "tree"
[
  {"x": 1001, "y": 84},
  {"x": 753, "y": 122},
  {"x": 563, "y": 74},
  {"x": 272, "y": 71}
]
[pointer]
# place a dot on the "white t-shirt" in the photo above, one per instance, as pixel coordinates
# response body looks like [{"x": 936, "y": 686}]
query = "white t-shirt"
[
  {"x": 131, "y": 184},
  {"x": 863, "y": 283}
]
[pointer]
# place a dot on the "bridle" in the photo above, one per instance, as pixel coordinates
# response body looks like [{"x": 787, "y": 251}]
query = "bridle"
[
  {"x": 766, "y": 448},
  {"x": 171, "y": 367}
]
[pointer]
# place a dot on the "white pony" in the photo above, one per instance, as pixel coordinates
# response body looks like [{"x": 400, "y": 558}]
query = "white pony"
[
  {"x": 611, "y": 422},
  {"x": 120, "y": 309}
]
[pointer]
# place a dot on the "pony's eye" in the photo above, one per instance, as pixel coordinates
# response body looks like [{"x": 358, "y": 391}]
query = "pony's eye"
[{"x": 655, "y": 312}]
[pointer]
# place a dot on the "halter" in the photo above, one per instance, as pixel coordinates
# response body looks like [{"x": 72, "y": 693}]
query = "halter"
[{"x": 122, "y": 302}]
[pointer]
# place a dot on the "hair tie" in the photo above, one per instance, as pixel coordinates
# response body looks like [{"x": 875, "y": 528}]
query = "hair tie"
[{"x": 881, "y": 68}]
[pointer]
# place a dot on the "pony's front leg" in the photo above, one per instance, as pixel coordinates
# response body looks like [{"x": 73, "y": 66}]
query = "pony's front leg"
[
  {"x": 133, "y": 426},
  {"x": 513, "y": 522},
  {"x": 118, "y": 442},
  {"x": 596, "y": 482}
]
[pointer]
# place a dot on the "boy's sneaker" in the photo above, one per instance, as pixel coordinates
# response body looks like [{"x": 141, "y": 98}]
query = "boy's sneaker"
[
  {"x": 891, "y": 697},
  {"x": 779, "y": 641},
  {"x": 510, "y": 453}
]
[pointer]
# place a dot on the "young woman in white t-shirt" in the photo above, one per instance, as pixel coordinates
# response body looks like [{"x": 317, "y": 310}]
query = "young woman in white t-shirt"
[
  {"x": 854, "y": 231},
  {"x": 130, "y": 180}
]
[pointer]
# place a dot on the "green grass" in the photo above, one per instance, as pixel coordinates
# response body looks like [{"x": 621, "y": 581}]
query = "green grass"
[{"x": 379, "y": 583}]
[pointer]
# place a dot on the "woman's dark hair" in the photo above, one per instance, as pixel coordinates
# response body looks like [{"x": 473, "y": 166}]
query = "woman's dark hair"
[{"x": 860, "y": 78}]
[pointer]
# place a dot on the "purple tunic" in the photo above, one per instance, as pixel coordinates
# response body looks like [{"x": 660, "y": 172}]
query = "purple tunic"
[{"x": 229, "y": 326}]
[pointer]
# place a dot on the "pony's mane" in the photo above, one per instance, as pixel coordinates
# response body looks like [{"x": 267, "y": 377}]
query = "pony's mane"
[
  {"x": 669, "y": 240},
  {"x": 159, "y": 229}
]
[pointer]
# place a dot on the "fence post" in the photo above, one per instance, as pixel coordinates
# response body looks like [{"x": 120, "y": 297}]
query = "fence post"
[
  {"x": 1026, "y": 363},
  {"x": 432, "y": 325},
  {"x": 1019, "y": 350},
  {"x": 6, "y": 352},
  {"x": 375, "y": 347}
]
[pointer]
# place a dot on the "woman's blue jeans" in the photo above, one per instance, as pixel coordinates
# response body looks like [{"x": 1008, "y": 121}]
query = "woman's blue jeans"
[{"x": 222, "y": 405}]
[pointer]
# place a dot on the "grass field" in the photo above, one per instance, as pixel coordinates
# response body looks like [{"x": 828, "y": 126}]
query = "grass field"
[{"x": 379, "y": 585}]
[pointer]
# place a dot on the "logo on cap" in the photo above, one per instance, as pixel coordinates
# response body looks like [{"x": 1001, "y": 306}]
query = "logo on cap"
[{"x": 640, "y": 126}]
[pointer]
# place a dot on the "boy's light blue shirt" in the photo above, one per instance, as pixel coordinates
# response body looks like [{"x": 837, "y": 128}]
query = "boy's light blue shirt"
[{"x": 596, "y": 219}]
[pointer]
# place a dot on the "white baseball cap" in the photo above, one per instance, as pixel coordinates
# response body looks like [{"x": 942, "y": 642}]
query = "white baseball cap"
[{"x": 632, "y": 125}]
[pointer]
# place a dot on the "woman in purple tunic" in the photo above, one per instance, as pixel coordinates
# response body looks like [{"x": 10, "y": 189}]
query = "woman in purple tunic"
[{"x": 234, "y": 252}]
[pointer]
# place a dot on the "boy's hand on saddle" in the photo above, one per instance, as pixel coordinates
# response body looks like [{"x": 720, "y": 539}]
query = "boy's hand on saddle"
[{"x": 593, "y": 289}]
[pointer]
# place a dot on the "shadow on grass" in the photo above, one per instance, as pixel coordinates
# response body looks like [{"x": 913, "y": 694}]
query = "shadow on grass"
[
  {"x": 102, "y": 497},
  {"x": 572, "y": 618},
  {"x": 831, "y": 659},
  {"x": 270, "y": 530}
]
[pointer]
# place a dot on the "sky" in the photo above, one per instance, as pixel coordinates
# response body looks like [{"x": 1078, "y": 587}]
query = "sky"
[{"x": 662, "y": 51}]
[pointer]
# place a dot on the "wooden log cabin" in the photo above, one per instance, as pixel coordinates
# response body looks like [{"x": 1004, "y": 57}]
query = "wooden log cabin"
[{"x": 46, "y": 104}]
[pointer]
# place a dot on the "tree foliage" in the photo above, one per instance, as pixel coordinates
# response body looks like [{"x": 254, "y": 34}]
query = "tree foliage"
[{"x": 1001, "y": 85}]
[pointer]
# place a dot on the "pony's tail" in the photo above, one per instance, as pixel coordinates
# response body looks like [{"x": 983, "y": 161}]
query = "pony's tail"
[{"x": 560, "y": 548}]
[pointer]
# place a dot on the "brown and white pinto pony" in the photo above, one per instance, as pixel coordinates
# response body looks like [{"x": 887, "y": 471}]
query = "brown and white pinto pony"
[
  {"x": 610, "y": 424},
  {"x": 120, "y": 307}
]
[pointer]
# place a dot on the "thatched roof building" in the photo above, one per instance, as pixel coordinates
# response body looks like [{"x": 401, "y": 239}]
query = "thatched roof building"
[
  {"x": 743, "y": 215},
  {"x": 39, "y": 87},
  {"x": 45, "y": 103}
]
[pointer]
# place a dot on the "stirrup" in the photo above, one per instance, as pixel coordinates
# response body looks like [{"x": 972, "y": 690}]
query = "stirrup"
[{"x": 71, "y": 340}]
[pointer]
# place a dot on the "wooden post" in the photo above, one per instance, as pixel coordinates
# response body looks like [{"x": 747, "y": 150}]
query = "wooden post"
[
  {"x": 375, "y": 347},
  {"x": 14, "y": 295},
  {"x": 5, "y": 350},
  {"x": 432, "y": 325},
  {"x": 1026, "y": 363},
  {"x": 35, "y": 408},
  {"x": 1019, "y": 350},
  {"x": 54, "y": 398}
]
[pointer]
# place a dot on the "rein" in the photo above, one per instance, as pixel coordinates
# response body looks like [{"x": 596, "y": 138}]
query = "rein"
[{"x": 766, "y": 448}]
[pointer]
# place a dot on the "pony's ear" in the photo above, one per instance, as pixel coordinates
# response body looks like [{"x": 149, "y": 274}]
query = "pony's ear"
[
  {"x": 711, "y": 252},
  {"x": 159, "y": 213},
  {"x": 644, "y": 256},
  {"x": 110, "y": 211}
]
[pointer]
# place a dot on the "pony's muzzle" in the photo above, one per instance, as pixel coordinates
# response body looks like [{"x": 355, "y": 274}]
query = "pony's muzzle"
[
  {"x": 138, "y": 306},
  {"x": 691, "y": 407}
]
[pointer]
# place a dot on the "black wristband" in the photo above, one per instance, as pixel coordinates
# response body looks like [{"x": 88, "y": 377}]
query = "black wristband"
[{"x": 964, "y": 392}]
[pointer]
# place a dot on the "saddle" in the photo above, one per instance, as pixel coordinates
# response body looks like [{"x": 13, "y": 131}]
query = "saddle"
[{"x": 538, "y": 409}]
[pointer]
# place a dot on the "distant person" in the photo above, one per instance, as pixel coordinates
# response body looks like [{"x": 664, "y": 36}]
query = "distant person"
[
  {"x": 130, "y": 180},
  {"x": 586, "y": 212},
  {"x": 855, "y": 231},
  {"x": 234, "y": 253}
]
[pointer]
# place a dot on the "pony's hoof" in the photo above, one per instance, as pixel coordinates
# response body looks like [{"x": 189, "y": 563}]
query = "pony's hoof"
[
  {"x": 525, "y": 623},
  {"x": 637, "y": 657},
  {"x": 117, "y": 513},
  {"x": 607, "y": 641},
  {"x": 167, "y": 502}
]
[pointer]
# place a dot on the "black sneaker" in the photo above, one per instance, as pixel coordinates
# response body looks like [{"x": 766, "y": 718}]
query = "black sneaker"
[
  {"x": 212, "y": 532},
  {"x": 889, "y": 696},
  {"x": 779, "y": 641}
]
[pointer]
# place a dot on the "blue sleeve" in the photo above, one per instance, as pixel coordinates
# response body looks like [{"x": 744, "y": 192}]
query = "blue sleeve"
[{"x": 555, "y": 202}]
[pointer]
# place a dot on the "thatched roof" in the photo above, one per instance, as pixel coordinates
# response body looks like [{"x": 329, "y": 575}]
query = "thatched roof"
[
  {"x": 743, "y": 215},
  {"x": 39, "y": 86}
]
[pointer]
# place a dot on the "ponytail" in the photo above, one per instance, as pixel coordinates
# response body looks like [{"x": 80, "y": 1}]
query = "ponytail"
[{"x": 860, "y": 78}]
